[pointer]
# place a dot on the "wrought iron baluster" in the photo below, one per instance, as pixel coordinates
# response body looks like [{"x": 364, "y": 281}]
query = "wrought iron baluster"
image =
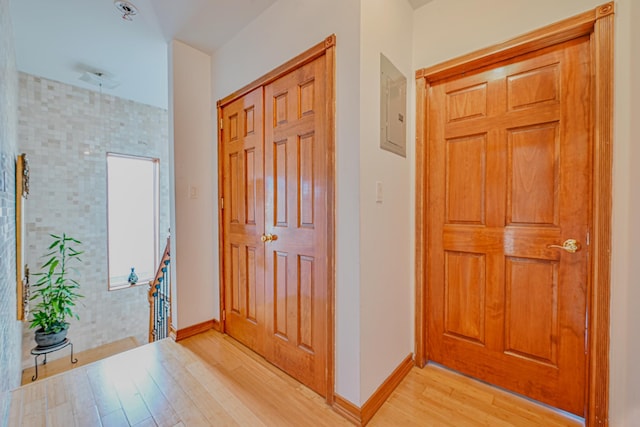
[{"x": 160, "y": 297}]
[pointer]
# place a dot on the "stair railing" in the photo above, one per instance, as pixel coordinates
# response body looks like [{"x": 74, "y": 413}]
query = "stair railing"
[{"x": 160, "y": 298}]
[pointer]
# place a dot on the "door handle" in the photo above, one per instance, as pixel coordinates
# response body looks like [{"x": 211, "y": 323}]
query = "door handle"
[
  {"x": 268, "y": 238},
  {"x": 570, "y": 245}
]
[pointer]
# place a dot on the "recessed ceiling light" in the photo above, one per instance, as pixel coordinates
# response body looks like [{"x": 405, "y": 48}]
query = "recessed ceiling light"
[{"x": 127, "y": 9}]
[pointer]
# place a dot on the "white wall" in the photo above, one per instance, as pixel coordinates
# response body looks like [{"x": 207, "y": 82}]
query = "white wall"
[
  {"x": 10, "y": 328},
  {"x": 444, "y": 29},
  {"x": 386, "y": 268},
  {"x": 194, "y": 238},
  {"x": 625, "y": 316},
  {"x": 283, "y": 31}
]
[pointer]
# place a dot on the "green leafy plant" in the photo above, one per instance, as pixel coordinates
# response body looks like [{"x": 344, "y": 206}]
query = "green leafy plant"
[{"x": 55, "y": 291}]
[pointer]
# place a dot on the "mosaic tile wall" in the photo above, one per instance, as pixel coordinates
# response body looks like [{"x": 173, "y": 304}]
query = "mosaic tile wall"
[
  {"x": 66, "y": 131},
  {"x": 10, "y": 329}
]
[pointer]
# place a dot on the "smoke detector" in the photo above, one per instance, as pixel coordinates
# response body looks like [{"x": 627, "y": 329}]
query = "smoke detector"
[{"x": 127, "y": 9}]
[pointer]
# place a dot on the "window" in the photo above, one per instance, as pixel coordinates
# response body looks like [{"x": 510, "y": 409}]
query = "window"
[{"x": 132, "y": 218}]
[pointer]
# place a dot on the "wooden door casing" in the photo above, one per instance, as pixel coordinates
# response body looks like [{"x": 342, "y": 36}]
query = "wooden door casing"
[
  {"x": 509, "y": 174},
  {"x": 296, "y": 203},
  {"x": 243, "y": 219}
]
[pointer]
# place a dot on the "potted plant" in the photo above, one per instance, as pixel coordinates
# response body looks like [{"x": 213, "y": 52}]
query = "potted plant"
[{"x": 55, "y": 291}]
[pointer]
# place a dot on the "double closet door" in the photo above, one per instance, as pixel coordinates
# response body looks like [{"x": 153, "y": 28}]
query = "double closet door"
[{"x": 274, "y": 159}]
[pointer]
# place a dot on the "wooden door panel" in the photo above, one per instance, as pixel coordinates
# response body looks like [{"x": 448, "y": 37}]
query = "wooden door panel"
[
  {"x": 531, "y": 310},
  {"x": 234, "y": 203},
  {"x": 466, "y": 164},
  {"x": 545, "y": 80},
  {"x": 280, "y": 187},
  {"x": 467, "y": 103},
  {"x": 294, "y": 299},
  {"x": 251, "y": 182},
  {"x": 465, "y": 292},
  {"x": 295, "y": 182},
  {"x": 533, "y": 175},
  {"x": 243, "y": 219},
  {"x": 306, "y": 180},
  {"x": 509, "y": 175},
  {"x": 282, "y": 294}
]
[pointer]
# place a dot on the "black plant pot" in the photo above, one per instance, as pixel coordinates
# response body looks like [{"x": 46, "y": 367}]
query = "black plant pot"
[{"x": 49, "y": 340}]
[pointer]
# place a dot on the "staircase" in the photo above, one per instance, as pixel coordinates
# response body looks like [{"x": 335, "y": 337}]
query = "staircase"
[{"x": 160, "y": 298}]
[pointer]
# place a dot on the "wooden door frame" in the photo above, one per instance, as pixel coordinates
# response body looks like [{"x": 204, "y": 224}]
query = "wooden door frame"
[
  {"x": 598, "y": 25},
  {"x": 327, "y": 47}
]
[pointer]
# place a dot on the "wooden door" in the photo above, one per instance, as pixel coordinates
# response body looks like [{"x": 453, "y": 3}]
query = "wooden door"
[
  {"x": 243, "y": 219},
  {"x": 296, "y": 198},
  {"x": 509, "y": 170}
]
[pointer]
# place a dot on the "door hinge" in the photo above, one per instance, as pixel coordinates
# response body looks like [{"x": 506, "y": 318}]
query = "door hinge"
[
  {"x": 221, "y": 202},
  {"x": 221, "y": 123},
  {"x": 224, "y": 315}
]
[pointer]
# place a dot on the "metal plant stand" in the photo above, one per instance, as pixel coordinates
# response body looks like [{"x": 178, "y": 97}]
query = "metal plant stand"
[{"x": 38, "y": 351}]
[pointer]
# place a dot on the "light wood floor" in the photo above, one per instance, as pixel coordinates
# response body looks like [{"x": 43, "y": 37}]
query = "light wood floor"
[
  {"x": 434, "y": 396},
  {"x": 64, "y": 364},
  {"x": 211, "y": 380}
]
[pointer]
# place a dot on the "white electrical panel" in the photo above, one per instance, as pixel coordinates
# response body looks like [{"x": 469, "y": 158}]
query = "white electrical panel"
[{"x": 393, "y": 108}]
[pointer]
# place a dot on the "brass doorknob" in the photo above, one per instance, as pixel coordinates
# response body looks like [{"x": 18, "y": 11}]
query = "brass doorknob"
[
  {"x": 268, "y": 237},
  {"x": 570, "y": 245}
]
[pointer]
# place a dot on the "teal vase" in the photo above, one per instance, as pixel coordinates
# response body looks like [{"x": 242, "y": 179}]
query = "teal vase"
[{"x": 133, "y": 277}]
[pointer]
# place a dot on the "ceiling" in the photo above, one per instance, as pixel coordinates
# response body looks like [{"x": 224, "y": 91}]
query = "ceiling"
[{"x": 60, "y": 40}]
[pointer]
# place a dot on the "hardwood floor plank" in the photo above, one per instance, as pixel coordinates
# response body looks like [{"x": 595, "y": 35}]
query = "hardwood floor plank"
[
  {"x": 115, "y": 419},
  {"x": 216, "y": 408},
  {"x": 537, "y": 414},
  {"x": 35, "y": 405},
  {"x": 181, "y": 403},
  {"x": 195, "y": 419},
  {"x": 56, "y": 392},
  {"x": 404, "y": 417},
  {"x": 418, "y": 413},
  {"x": 494, "y": 401},
  {"x": 253, "y": 381},
  {"x": 212, "y": 380},
  {"x": 81, "y": 397},
  {"x": 103, "y": 390},
  {"x": 160, "y": 408},
  {"x": 149, "y": 422},
  {"x": 61, "y": 416},
  {"x": 435, "y": 396},
  {"x": 130, "y": 399},
  {"x": 172, "y": 392},
  {"x": 88, "y": 418},
  {"x": 15, "y": 408}
]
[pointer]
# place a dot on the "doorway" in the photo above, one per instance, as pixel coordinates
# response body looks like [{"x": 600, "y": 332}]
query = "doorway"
[
  {"x": 277, "y": 216},
  {"x": 497, "y": 279}
]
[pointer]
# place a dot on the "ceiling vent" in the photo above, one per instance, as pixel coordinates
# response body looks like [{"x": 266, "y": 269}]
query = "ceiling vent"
[{"x": 127, "y": 9}]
